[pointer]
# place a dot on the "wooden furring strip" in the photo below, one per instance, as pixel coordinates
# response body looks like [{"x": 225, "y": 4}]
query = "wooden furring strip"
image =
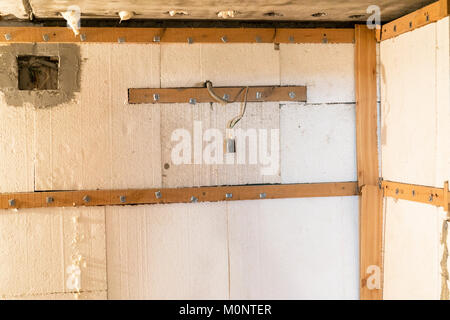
[
  {"x": 174, "y": 35},
  {"x": 423, "y": 194},
  {"x": 371, "y": 214},
  {"x": 201, "y": 95},
  {"x": 419, "y": 18},
  {"x": 174, "y": 195}
]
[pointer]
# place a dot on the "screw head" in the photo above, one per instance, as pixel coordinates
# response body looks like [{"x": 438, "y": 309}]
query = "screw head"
[
  {"x": 397, "y": 191},
  {"x": 430, "y": 198},
  {"x": 258, "y": 95},
  {"x": 121, "y": 40},
  {"x": 86, "y": 198},
  {"x": 224, "y": 39},
  {"x": 226, "y": 96},
  {"x": 50, "y": 199},
  {"x": 123, "y": 199},
  {"x": 12, "y": 202},
  {"x": 8, "y": 36},
  {"x": 414, "y": 193},
  {"x": 190, "y": 40},
  {"x": 156, "y": 39},
  {"x": 292, "y": 95},
  {"x": 228, "y": 195},
  {"x": 194, "y": 199},
  {"x": 262, "y": 195},
  {"x": 291, "y": 38},
  {"x": 158, "y": 195},
  {"x": 82, "y": 37},
  {"x": 156, "y": 96},
  {"x": 45, "y": 37},
  {"x": 258, "y": 39},
  {"x": 192, "y": 101}
]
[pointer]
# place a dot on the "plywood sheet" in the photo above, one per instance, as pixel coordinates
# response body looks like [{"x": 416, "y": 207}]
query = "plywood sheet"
[
  {"x": 196, "y": 120},
  {"x": 174, "y": 251},
  {"x": 294, "y": 249},
  {"x": 99, "y": 141},
  {"x": 37, "y": 247},
  {"x": 318, "y": 143},
  {"x": 326, "y": 69},
  {"x": 409, "y": 105},
  {"x": 412, "y": 255}
]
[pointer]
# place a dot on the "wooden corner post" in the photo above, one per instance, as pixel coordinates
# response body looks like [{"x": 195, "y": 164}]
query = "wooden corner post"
[{"x": 371, "y": 195}]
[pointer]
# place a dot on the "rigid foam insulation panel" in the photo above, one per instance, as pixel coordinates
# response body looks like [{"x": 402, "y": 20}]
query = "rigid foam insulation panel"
[
  {"x": 99, "y": 141},
  {"x": 294, "y": 249},
  {"x": 16, "y": 148},
  {"x": 318, "y": 143},
  {"x": 197, "y": 120},
  {"x": 37, "y": 247},
  {"x": 414, "y": 136},
  {"x": 95, "y": 295},
  {"x": 328, "y": 70},
  {"x": 415, "y": 106},
  {"x": 412, "y": 250},
  {"x": 176, "y": 251},
  {"x": 269, "y": 249}
]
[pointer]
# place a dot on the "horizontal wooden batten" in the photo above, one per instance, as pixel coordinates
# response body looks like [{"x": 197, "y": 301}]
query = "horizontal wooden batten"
[
  {"x": 428, "y": 14},
  {"x": 175, "y": 35},
  {"x": 429, "y": 195},
  {"x": 174, "y": 195},
  {"x": 201, "y": 95}
]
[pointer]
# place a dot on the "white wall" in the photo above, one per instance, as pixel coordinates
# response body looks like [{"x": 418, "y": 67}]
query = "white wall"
[
  {"x": 296, "y": 248},
  {"x": 415, "y": 82}
]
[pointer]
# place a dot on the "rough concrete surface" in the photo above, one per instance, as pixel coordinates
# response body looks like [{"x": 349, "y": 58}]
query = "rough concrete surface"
[{"x": 69, "y": 74}]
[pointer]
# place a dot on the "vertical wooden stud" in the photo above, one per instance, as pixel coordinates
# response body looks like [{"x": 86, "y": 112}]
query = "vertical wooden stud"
[{"x": 371, "y": 213}]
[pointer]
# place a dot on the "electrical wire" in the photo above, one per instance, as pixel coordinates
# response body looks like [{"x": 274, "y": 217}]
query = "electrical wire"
[{"x": 235, "y": 120}]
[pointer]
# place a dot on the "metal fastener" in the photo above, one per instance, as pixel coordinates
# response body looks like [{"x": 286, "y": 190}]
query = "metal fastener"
[
  {"x": 8, "y": 36},
  {"x": 50, "y": 199},
  {"x": 224, "y": 39},
  {"x": 291, "y": 38},
  {"x": 86, "y": 198},
  {"x": 190, "y": 40},
  {"x": 194, "y": 199},
  {"x": 292, "y": 94},
  {"x": 397, "y": 191},
  {"x": 226, "y": 96},
  {"x": 192, "y": 101},
  {"x": 258, "y": 95},
  {"x": 45, "y": 37},
  {"x": 121, "y": 40},
  {"x": 229, "y": 195},
  {"x": 156, "y": 39},
  {"x": 123, "y": 199},
  {"x": 414, "y": 193},
  {"x": 158, "y": 194},
  {"x": 262, "y": 195},
  {"x": 82, "y": 37},
  {"x": 12, "y": 202},
  {"x": 430, "y": 198},
  {"x": 324, "y": 40},
  {"x": 258, "y": 39},
  {"x": 156, "y": 96}
]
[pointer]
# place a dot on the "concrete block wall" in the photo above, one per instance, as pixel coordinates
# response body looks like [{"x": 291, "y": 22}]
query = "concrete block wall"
[
  {"x": 207, "y": 251},
  {"x": 415, "y": 82}
]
